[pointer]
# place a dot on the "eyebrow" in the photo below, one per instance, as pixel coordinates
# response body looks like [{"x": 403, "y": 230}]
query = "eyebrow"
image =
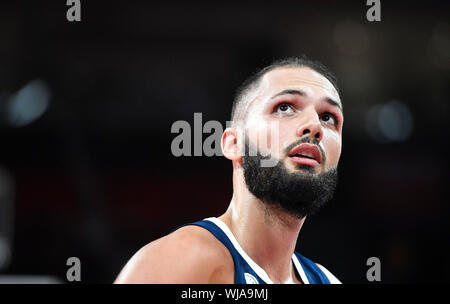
[{"x": 302, "y": 93}]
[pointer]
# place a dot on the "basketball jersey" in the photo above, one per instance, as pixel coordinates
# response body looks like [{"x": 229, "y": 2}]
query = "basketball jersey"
[{"x": 246, "y": 271}]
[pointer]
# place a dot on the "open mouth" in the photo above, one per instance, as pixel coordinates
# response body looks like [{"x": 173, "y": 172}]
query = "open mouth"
[
  {"x": 306, "y": 154},
  {"x": 303, "y": 155}
]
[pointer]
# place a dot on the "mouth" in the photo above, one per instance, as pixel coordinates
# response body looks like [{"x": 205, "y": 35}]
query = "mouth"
[{"x": 306, "y": 154}]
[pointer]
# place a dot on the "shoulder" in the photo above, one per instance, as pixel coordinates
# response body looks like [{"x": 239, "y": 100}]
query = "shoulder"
[
  {"x": 190, "y": 254},
  {"x": 330, "y": 276}
]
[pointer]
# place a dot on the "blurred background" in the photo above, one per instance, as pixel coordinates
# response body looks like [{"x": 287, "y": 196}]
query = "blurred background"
[{"x": 86, "y": 110}]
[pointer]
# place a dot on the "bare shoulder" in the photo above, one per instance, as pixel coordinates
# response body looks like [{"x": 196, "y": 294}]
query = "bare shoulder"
[
  {"x": 190, "y": 254},
  {"x": 330, "y": 276}
]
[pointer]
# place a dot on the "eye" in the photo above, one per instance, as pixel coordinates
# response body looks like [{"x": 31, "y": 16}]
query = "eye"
[
  {"x": 284, "y": 108},
  {"x": 328, "y": 118}
]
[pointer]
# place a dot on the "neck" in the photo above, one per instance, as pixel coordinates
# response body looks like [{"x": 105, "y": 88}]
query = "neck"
[{"x": 267, "y": 233}]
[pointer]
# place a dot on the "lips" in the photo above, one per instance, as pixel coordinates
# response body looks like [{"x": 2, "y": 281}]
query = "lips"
[{"x": 306, "y": 154}]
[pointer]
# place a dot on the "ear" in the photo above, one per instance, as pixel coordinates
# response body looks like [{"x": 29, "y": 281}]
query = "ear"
[{"x": 230, "y": 144}]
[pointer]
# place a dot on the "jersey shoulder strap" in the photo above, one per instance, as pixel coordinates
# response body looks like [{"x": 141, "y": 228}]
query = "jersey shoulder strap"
[
  {"x": 243, "y": 272},
  {"x": 314, "y": 274}
]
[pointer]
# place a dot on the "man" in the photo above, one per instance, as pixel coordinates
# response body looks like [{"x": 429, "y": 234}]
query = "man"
[{"x": 254, "y": 240}]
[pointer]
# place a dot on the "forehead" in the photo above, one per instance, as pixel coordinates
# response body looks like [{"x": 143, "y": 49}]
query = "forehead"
[{"x": 311, "y": 82}]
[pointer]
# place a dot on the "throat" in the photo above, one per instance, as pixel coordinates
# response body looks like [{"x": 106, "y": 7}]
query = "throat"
[
  {"x": 289, "y": 281},
  {"x": 294, "y": 278}
]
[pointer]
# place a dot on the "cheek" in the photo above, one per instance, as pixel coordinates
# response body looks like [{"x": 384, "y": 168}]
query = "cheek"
[
  {"x": 266, "y": 135},
  {"x": 332, "y": 145}
]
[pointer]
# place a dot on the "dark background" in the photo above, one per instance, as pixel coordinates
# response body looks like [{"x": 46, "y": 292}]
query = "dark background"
[{"x": 86, "y": 110}]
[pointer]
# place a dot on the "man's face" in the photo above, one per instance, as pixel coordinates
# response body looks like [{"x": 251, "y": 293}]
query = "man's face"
[
  {"x": 302, "y": 110},
  {"x": 306, "y": 108}
]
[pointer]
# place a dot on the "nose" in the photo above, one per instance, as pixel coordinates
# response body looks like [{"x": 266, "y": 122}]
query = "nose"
[{"x": 310, "y": 125}]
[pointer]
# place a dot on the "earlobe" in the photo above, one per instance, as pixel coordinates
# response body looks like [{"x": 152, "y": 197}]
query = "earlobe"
[{"x": 229, "y": 143}]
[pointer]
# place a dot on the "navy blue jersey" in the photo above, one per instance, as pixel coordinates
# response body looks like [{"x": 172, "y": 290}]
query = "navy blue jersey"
[{"x": 246, "y": 271}]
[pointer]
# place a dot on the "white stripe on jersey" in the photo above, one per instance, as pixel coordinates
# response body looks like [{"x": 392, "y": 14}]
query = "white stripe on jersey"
[{"x": 330, "y": 276}]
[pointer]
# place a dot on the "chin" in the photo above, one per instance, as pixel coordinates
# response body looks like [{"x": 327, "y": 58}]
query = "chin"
[
  {"x": 303, "y": 168},
  {"x": 309, "y": 169}
]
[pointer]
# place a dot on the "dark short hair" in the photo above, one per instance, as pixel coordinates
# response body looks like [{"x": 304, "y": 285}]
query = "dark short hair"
[{"x": 253, "y": 81}]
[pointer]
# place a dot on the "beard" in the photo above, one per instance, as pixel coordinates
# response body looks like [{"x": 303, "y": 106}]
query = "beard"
[{"x": 300, "y": 193}]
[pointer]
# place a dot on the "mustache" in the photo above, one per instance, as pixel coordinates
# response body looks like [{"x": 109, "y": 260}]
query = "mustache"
[{"x": 308, "y": 140}]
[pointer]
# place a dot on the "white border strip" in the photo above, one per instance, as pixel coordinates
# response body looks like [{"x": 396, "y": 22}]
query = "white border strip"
[
  {"x": 300, "y": 270},
  {"x": 330, "y": 276}
]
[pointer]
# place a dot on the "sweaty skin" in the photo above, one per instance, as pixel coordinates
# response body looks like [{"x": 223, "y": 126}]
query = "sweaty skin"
[{"x": 267, "y": 234}]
